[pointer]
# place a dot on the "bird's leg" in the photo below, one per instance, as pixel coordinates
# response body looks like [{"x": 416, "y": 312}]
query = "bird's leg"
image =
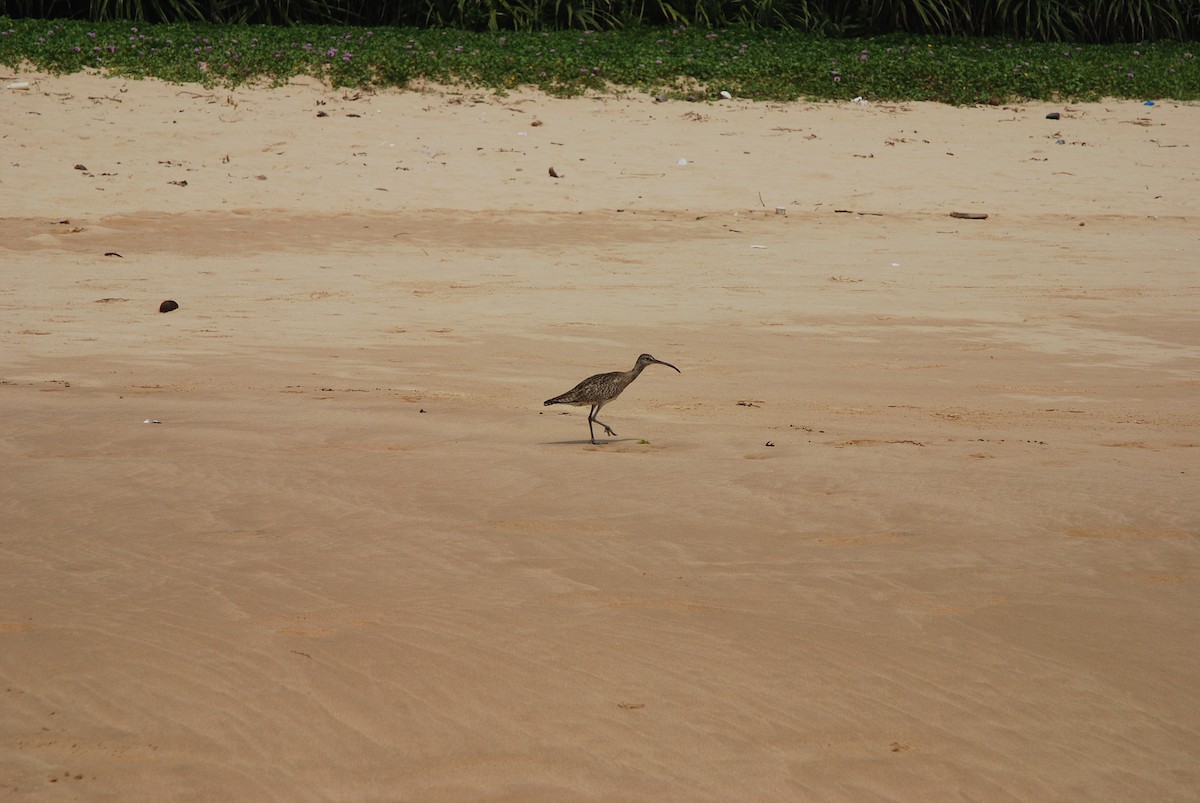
[
  {"x": 592, "y": 417},
  {"x": 591, "y": 432}
]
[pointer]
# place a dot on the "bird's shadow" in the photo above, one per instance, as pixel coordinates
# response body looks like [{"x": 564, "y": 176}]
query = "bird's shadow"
[{"x": 586, "y": 442}]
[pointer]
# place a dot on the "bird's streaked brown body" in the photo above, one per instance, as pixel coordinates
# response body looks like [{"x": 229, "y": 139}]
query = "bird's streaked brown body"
[{"x": 597, "y": 391}]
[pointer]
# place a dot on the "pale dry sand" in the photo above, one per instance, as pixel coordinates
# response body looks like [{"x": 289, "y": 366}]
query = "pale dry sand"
[{"x": 918, "y": 521}]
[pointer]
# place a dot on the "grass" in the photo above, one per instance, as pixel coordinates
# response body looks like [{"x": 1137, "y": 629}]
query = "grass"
[{"x": 764, "y": 65}]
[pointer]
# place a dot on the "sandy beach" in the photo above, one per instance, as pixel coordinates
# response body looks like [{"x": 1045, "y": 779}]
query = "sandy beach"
[{"x": 918, "y": 520}]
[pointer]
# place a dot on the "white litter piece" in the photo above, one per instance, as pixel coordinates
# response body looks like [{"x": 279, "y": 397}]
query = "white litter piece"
[
  {"x": 726, "y": 95},
  {"x": 19, "y": 85},
  {"x": 859, "y": 100},
  {"x": 895, "y": 264},
  {"x": 682, "y": 162},
  {"x": 151, "y": 421},
  {"x": 781, "y": 210},
  {"x": 763, "y": 247}
]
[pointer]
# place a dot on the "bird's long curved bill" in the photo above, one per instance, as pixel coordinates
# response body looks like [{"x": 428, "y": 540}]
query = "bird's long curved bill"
[{"x": 660, "y": 362}]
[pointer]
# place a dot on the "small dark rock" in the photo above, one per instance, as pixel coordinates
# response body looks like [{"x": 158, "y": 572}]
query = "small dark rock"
[
  {"x": 80, "y": 167},
  {"x": 167, "y": 306},
  {"x": 1053, "y": 116}
]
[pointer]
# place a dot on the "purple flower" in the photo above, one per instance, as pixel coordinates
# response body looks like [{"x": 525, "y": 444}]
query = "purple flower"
[
  {"x": 331, "y": 52},
  {"x": 862, "y": 56}
]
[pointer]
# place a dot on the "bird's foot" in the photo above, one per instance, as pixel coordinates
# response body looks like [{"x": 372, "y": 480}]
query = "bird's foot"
[{"x": 610, "y": 432}]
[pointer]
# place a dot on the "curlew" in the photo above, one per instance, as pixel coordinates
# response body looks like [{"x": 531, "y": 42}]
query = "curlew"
[{"x": 597, "y": 391}]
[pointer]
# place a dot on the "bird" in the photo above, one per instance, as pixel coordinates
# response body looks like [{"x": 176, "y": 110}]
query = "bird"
[{"x": 597, "y": 391}]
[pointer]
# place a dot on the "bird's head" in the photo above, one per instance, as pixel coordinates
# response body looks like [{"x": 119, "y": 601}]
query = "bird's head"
[{"x": 646, "y": 359}]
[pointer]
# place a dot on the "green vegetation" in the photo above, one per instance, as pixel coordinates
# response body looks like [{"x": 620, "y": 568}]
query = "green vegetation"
[
  {"x": 1042, "y": 20},
  {"x": 762, "y": 64}
]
